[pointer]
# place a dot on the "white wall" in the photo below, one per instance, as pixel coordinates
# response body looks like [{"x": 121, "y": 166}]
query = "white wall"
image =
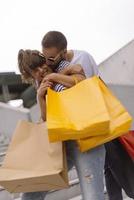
[
  {"x": 35, "y": 113},
  {"x": 126, "y": 96},
  {"x": 9, "y": 116},
  {"x": 119, "y": 68}
]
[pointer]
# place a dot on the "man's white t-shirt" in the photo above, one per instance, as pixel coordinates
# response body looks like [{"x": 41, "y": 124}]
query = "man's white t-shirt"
[{"x": 86, "y": 61}]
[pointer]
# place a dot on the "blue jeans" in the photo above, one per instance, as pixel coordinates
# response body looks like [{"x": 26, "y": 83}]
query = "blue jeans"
[{"x": 89, "y": 166}]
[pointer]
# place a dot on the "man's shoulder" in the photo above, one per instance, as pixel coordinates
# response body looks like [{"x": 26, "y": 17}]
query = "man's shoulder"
[
  {"x": 87, "y": 62},
  {"x": 82, "y": 53}
]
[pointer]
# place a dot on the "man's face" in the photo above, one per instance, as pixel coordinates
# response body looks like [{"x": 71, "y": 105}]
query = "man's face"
[{"x": 53, "y": 56}]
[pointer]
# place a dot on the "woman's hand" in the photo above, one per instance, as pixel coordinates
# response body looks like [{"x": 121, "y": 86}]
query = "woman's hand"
[
  {"x": 42, "y": 90},
  {"x": 50, "y": 77}
]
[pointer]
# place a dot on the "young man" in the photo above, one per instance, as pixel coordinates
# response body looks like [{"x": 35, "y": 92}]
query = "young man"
[{"x": 90, "y": 164}]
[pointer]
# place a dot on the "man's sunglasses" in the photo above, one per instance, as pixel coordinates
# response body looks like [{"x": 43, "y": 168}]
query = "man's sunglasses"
[{"x": 54, "y": 59}]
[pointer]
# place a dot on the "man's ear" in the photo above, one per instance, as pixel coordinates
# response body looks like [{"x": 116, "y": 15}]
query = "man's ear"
[{"x": 65, "y": 50}]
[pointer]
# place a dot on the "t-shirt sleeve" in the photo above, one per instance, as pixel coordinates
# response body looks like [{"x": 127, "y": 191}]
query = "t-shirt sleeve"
[{"x": 89, "y": 66}]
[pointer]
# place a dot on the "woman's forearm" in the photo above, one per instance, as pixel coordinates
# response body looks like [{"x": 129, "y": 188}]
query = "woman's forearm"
[{"x": 42, "y": 104}]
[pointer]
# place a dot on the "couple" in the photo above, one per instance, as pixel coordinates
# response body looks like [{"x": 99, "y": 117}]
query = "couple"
[{"x": 58, "y": 68}]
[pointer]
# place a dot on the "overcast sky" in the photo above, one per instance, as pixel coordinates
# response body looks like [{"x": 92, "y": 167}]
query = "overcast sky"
[{"x": 100, "y": 27}]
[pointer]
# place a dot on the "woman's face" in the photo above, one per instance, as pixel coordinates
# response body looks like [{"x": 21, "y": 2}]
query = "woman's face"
[{"x": 40, "y": 72}]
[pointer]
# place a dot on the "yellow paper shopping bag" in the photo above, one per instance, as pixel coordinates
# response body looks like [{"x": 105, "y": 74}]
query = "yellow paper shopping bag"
[
  {"x": 78, "y": 112},
  {"x": 120, "y": 121}
]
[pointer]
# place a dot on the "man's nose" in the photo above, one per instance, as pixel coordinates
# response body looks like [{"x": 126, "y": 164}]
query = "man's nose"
[{"x": 48, "y": 62}]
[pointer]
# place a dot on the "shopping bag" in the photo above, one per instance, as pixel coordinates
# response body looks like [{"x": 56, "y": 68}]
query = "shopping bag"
[
  {"x": 77, "y": 112},
  {"x": 32, "y": 163},
  {"x": 120, "y": 121},
  {"x": 127, "y": 141}
]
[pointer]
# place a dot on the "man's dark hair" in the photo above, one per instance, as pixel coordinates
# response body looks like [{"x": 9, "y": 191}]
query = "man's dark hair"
[{"x": 54, "y": 39}]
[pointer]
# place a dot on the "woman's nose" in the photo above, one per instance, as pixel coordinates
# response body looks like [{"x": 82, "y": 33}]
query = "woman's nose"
[{"x": 40, "y": 69}]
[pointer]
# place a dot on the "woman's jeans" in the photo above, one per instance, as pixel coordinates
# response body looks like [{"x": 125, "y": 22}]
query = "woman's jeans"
[{"x": 89, "y": 166}]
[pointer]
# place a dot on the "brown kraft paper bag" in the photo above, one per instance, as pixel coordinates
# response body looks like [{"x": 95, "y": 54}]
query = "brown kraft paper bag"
[{"x": 32, "y": 163}]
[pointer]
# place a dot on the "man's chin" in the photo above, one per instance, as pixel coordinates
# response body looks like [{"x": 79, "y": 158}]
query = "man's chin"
[{"x": 53, "y": 67}]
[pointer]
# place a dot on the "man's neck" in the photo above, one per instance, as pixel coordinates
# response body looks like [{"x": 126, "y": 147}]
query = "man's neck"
[{"x": 69, "y": 55}]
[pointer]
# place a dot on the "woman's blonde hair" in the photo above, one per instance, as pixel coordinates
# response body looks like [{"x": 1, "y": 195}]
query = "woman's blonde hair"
[{"x": 29, "y": 60}]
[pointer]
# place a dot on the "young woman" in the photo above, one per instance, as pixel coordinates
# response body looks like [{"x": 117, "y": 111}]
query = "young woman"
[{"x": 89, "y": 165}]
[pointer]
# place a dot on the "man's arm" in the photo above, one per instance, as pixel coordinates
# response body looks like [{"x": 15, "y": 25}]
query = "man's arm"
[
  {"x": 72, "y": 69},
  {"x": 88, "y": 64},
  {"x": 66, "y": 80}
]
